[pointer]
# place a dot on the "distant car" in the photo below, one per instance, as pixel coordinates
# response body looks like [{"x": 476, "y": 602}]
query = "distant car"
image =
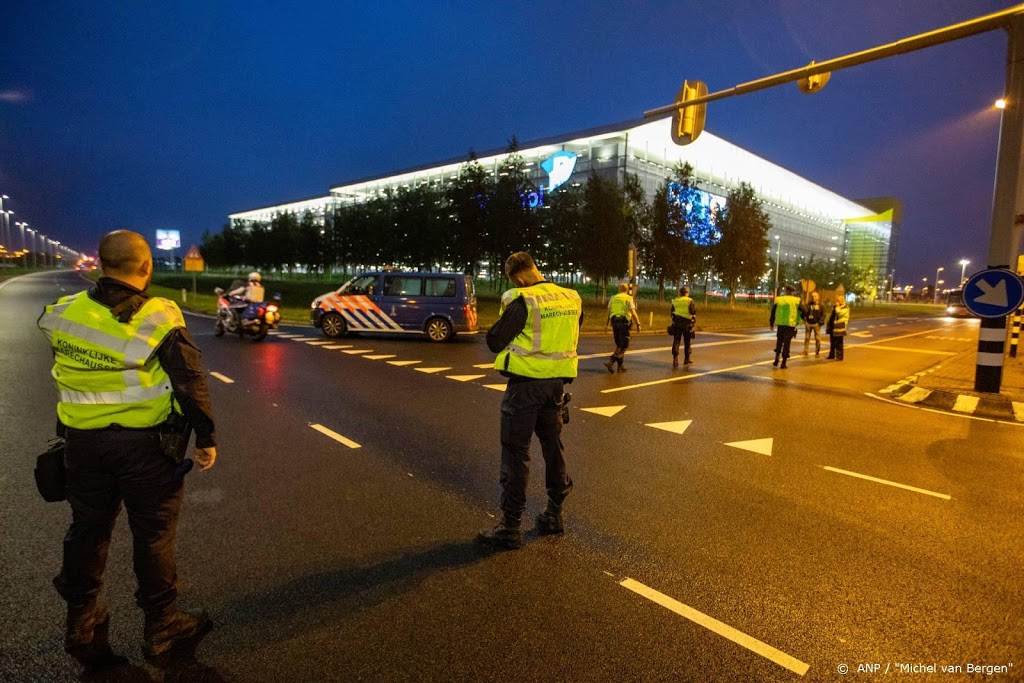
[
  {"x": 438, "y": 305},
  {"x": 955, "y": 305}
]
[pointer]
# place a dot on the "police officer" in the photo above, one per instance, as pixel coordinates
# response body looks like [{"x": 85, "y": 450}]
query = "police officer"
[
  {"x": 123, "y": 362},
  {"x": 535, "y": 339},
  {"x": 621, "y": 315},
  {"x": 814, "y": 316},
  {"x": 838, "y": 321},
  {"x": 785, "y": 312},
  {"x": 684, "y": 317}
]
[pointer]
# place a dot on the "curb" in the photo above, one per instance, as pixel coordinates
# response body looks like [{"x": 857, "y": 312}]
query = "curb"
[{"x": 995, "y": 408}]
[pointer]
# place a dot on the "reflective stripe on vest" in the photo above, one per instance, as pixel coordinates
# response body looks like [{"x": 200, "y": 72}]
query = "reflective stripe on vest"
[
  {"x": 107, "y": 371},
  {"x": 787, "y": 309},
  {"x": 681, "y": 307},
  {"x": 842, "y": 318},
  {"x": 546, "y": 347},
  {"x": 620, "y": 305}
]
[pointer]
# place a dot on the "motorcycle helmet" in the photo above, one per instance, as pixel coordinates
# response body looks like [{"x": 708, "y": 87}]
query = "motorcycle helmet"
[{"x": 254, "y": 276}]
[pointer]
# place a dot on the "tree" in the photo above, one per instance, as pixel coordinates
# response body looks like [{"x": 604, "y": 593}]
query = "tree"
[
  {"x": 604, "y": 234},
  {"x": 468, "y": 199},
  {"x": 560, "y": 225},
  {"x": 659, "y": 247},
  {"x": 738, "y": 256},
  {"x": 512, "y": 224},
  {"x": 685, "y": 223},
  {"x": 309, "y": 241}
]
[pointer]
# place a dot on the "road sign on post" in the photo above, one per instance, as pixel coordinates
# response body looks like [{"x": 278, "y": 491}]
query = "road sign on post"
[
  {"x": 991, "y": 295},
  {"x": 194, "y": 264},
  {"x": 688, "y": 120}
]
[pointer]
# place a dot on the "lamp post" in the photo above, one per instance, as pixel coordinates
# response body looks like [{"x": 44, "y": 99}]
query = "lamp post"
[
  {"x": 778, "y": 255},
  {"x": 34, "y": 261},
  {"x": 24, "y": 257},
  {"x": 936, "y": 292},
  {"x": 963, "y": 270},
  {"x": 5, "y": 228}
]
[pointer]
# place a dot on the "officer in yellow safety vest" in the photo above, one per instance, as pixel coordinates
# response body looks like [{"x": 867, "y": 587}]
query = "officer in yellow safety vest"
[
  {"x": 838, "y": 320},
  {"x": 684, "y": 318},
  {"x": 535, "y": 339},
  {"x": 786, "y": 315},
  {"x": 124, "y": 365},
  {"x": 621, "y": 314}
]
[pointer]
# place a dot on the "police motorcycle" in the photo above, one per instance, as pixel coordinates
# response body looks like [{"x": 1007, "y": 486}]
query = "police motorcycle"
[{"x": 254, "y": 320}]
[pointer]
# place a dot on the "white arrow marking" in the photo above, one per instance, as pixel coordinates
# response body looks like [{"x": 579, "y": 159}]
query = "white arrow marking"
[
  {"x": 606, "y": 411},
  {"x": 430, "y": 370},
  {"x": 994, "y": 295},
  {"x": 380, "y": 356},
  {"x": 674, "y": 427},
  {"x": 335, "y": 435},
  {"x": 465, "y": 378},
  {"x": 401, "y": 363},
  {"x": 762, "y": 446},
  {"x": 496, "y": 387}
]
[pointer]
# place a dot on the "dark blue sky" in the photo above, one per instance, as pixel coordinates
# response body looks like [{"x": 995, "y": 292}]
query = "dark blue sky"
[{"x": 150, "y": 115}]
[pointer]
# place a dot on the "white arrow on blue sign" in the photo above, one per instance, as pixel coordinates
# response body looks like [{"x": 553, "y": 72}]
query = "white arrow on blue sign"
[{"x": 993, "y": 293}]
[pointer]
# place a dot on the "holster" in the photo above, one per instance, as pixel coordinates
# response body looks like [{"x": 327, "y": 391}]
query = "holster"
[
  {"x": 175, "y": 434},
  {"x": 49, "y": 473}
]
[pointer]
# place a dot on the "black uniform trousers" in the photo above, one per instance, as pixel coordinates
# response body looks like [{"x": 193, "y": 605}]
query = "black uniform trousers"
[
  {"x": 531, "y": 406},
  {"x": 681, "y": 328},
  {"x": 783, "y": 338},
  {"x": 105, "y": 468}
]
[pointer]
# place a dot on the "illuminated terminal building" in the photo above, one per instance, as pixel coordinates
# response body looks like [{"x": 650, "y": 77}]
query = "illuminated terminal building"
[{"x": 807, "y": 219}]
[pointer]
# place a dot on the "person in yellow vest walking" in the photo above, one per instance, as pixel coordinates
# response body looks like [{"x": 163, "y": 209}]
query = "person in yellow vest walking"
[
  {"x": 126, "y": 369},
  {"x": 786, "y": 316},
  {"x": 838, "y": 320},
  {"x": 535, "y": 339},
  {"x": 684, "y": 319},
  {"x": 621, "y": 315}
]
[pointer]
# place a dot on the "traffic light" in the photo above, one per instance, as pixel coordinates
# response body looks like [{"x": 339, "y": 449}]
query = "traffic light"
[
  {"x": 688, "y": 120},
  {"x": 812, "y": 84}
]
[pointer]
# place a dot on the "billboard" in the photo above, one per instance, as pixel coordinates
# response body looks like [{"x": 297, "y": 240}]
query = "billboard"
[{"x": 168, "y": 239}]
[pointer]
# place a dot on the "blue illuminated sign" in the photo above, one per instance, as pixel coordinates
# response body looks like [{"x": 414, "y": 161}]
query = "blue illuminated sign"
[
  {"x": 705, "y": 210},
  {"x": 559, "y": 167}
]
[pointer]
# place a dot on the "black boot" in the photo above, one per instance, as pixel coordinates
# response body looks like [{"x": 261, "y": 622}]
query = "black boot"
[
  {"x": 675, "y": 361},
  {"x": 776, "y": 363},
  {"x": 508, "y": 535},
  {"x": 783, "y": 364},
  {"x": 550, "y": 521},
  {"x": 87, "y": 636},
  {"x": 610, "y": 365},
  {"x": 170, "y": 627},
  {"x": 687, "y": 360}
]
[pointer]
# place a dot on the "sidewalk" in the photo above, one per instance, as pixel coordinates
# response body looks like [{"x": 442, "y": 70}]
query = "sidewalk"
[{"x": 949, "y": 385}]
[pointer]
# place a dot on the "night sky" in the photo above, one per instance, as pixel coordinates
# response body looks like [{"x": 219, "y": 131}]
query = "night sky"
[{"x": 148, "y": 115}]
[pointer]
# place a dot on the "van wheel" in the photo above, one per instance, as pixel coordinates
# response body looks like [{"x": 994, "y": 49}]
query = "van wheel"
[
  {"x": 333, "y": 325},
  {"x": 439, "y": 330}
]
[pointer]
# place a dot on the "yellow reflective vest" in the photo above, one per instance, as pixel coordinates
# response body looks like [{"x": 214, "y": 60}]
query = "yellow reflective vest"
[
  {"x": 681, "y": 307},
  {"x": 107, "y": 372},
  {"x": 787, "y": 310},
  {"x": 546, "y": 347},
  {"x": 620, "y": 305}
]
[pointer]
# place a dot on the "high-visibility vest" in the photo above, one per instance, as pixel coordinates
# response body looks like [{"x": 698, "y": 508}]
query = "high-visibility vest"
[
  {"x": 681, "y": 306},
  {"x": 107, "y": 372},
  {"x": 842, "y": 318},
  {"x": 620, "y": 305},
  {"x": 787, "y": 310},
  {"x": 546, "y": 347}
]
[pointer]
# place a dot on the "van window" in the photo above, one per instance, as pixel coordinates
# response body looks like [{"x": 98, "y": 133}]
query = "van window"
[
  {"x": 402, "y": 285},
  {"x": 362, "y": 285},
  {"x": 439, "y": 286}
]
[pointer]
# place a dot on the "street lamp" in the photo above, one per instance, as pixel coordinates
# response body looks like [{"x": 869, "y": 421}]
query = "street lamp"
[
  {"x": 35, "y": 259},
  {"x": 778, "y": 254},
  {"x": 6, "y": 226},
  {"x": 936, "y": 293},
  {"x": 963, "y": 269},
  {"x": 24, "y": 258}
]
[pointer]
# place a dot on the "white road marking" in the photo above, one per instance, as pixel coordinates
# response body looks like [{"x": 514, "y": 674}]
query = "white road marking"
[
  {"x": 464, "y": 378},
  {"x": 222, "y": 378},
  {"x": 487, "y": 366},
  {"x": 332, "y": 347},
  {"x": 966, "y": 404},
  {"x": 888, "y": 483},
  {"x": 715, "y": 626},
  {"x": 381, "y": 356},
  {"x": 762, "y": 446},
  {"x": 678, "y": 379},
  {"x": 318, "y": 343},
  {"x": 675, "y": 427},
  {"x": 662, "y": 349},
  {"x": 1018, "y": 410},
  {"x": 354, "y": 352},
  {"x": 302, "y": 339},
  {"x": 606, "y": 411},
  {"x": 915, "y": 395},
  {"x": 403, "y": 363},
  {"x": 906, "y": 350},
  {"x": 335, "y": 435},
  {"x": 902, "y": 336},
  {"x": 502, "y": 387},
  {"x": 289, "y": 336},
  {"x": 431, "y": 371}
]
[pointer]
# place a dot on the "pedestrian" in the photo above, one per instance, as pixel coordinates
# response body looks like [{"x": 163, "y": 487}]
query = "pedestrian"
[
  {"x": 129, "y": 377},
  {"x": 814, "y": 316},
  {"x": 838, "y": 320},
  {"x": 535, "y": 339},
  {"x": 621, "y": 315},
  {"x": 786, "y": 314},
  {"x": 684, "y": 319}
]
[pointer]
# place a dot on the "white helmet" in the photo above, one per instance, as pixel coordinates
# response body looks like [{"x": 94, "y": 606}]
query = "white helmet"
[{"x": 254, "y": 276}]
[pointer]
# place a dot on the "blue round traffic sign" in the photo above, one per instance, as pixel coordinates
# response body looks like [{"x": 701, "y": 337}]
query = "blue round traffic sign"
[{"x": 993, "y": 293}]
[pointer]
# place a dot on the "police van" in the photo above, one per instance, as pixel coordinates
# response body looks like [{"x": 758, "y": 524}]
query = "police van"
[{"x": 438, "y": 305}]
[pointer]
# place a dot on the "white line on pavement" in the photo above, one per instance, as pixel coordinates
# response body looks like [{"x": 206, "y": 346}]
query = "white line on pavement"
[
  {"x": 222, "y": 378},
  {"x": 662, "y": 349},
  {"x": 906, "y": 350},
  {"x": 402, "y": 363},
  {"x": 335, "y": 435},
  {"x": 715, "y": 626},
  {"x": 679, "y": 379},
  {"x": 318, "y": 343},
  {"x": 354, "y": 352},
  {"x": 381, "y": 356},
  {"x": 430, "y": 371},
  {"x": 332, "y": 347},
  {"x": 887, "y": 482}
]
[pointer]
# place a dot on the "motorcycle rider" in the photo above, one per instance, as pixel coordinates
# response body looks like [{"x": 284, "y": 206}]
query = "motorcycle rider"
[{"x": 242, "y": 296}]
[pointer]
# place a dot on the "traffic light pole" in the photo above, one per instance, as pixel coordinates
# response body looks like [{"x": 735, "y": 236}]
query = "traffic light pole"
[{"x": 1005, "y": 236}]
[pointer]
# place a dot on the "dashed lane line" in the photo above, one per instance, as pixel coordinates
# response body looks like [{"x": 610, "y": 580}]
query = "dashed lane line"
[
  {"x": 289, "y": 336},
  {"x": 464, "y": 378},
  {"x": 502, "y": 387},
  {"x": 662, "y": 349},
  {"x": 431, "y": 371},
  {"x": 222, "y": 378},
  {"x": 335, "y": 435},
  {"x": 677, "y": 427},
  {"x": 715, "y": 626},
  {"x": 302, "y": 339},
  {"x": 381, "y": 356},
  {"x": 903, "y": 349},
  {"x": 484, "y": 365},
  {"x": 356, "y": 352},
  {"x": 333, "y": 347},
  {"x": 403, "y": 363},
  {"x": 848, "y": 473},
  {"x": 680, "y": 378},
  {"x": 760, "y": 446},
  {"x": 318, "y": 343}
]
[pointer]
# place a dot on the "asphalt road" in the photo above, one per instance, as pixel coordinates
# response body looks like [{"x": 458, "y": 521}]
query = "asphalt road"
[{"x": 729, "y": 522}]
